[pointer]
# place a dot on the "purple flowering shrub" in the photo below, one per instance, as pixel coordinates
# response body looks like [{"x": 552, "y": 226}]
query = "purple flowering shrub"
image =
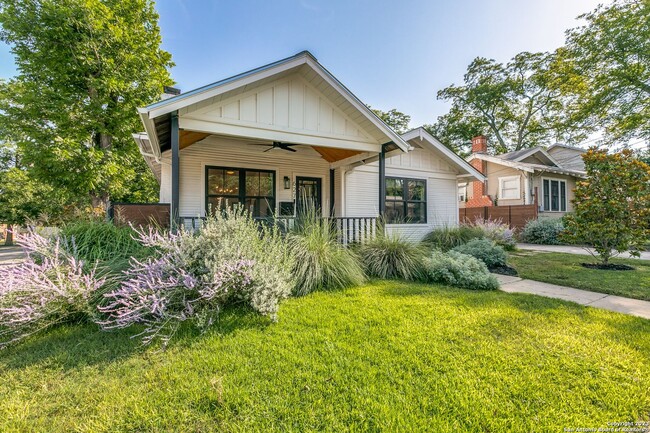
[
  {"x": 49, "y": 287},
  {"x": 195, "y": 275},
  {"x": 497, "y": 231}
]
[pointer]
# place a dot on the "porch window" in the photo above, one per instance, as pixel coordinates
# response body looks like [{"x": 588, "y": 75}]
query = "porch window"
[
  {"x": 406, "y": 201},
  {"x": 510, "y": 188},
  {"x": 554, "y": 195},
  {"x": 254, "y": 189}
]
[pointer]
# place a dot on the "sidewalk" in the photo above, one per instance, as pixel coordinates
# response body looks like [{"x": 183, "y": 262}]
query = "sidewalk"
[
  {"x": 571, "y": 249},
  {"x": 9, "y": 255},
  {"x": 634, "y": 307}
]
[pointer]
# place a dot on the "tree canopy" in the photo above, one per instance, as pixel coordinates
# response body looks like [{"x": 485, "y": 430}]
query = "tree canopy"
[
  {"x": 397, "y": 120},
  {"x": 612, "y": 205},
  {"x": 84, "y": 66},
  {"x": 514, "y": 104},
  {"x": 605, "y": 67}
]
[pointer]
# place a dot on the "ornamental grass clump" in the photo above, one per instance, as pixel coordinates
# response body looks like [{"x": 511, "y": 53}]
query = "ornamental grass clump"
[
  {"x": 104, "y": 242},
  {"x": 193, "y": 276},
  {"x": 50, "y": 286},
  {"x": 388, "y": 255},
  {"x": 447, "y": 237},
  {"x": 321, "y": 263}
]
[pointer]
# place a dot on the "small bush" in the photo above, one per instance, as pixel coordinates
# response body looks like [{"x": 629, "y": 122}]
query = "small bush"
[
  {"x": 50, "y": 286},
  {"x": 485, "y": 250},
  {"x": 447, "y": 237},
  {"x": 193, "y": 276},
  {"x": 498, "y": 232},
  {"x": 459, "y": 270},
  {"x": 321, "y": 261},
  {"x": 543, "y": 231},
  {"x": 104, "y": 242},
  {"x": 390, "y": 256}
]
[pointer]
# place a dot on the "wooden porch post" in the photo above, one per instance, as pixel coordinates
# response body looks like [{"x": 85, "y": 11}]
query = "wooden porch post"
[
  {"x": 382, "y": 181},
  {"x": 332, "y": 192},
  {"x": 174, "y": 138}
]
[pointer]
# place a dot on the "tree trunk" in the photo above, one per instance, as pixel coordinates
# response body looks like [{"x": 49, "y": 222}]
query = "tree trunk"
[{"x": 9, "y": 240}]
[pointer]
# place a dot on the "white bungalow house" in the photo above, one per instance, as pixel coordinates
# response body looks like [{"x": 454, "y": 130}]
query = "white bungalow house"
[{"x": 270, "y": 137}]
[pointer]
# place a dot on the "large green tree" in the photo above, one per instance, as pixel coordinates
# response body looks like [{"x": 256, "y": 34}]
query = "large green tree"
[
  {"x": 516, "y": 105},
  {"x": 84, "y": 66},
  {"x": 612, "y": 205},
  {"x": 397, "y": 120},
  {"x": 605, "y": 67}
]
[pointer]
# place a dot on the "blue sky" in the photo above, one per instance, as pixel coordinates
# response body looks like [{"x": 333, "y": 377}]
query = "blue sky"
[{"x": 391, "y": 54}]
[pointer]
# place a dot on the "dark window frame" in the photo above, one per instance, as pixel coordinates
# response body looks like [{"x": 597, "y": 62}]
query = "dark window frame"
[
  {"x": 405, "y": 200},
  {"x": 242, "y": 186},
  {"x": 548, "y": 196}
]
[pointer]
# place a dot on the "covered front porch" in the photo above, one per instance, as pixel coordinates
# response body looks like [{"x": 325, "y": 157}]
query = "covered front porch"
[{"x": 269, "y": 139}]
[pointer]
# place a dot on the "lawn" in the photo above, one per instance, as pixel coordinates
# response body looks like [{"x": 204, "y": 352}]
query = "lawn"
[
  {"x": 564, "y": 269},
  {"x": 389, "y": 356}
]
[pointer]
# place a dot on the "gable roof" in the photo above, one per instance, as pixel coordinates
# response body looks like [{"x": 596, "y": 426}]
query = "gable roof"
[
  {"x": 568, "y": 156},
  {"x": 303, "y": 62},
  {"x": 432, "y": 143},
  {"x": 520, "y": 155},
  {"x": 526, "y": 166}
]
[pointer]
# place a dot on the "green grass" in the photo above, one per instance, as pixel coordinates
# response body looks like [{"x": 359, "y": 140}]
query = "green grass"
[
  {"x": 565, "y": 269},
  {"x": 388, "y": 356}
]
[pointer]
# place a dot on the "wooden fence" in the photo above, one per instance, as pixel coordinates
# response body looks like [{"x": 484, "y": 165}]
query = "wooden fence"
[
  {"x": 515, "y": 216},
  {"x": 140, "y": 214}
]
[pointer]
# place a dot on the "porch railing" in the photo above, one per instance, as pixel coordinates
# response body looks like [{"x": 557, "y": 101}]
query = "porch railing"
[{"x": 349, "y": 230}]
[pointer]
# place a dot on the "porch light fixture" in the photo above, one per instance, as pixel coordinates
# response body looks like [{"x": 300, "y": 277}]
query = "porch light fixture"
[{"x": 287, "y": 182}]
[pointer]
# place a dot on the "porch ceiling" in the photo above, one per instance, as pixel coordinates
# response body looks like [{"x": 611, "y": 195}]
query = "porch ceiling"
[
  {"x": 188, "y": 138},
  {"x": 329, "y": 154},
  {"x": 332, "y": 155}
]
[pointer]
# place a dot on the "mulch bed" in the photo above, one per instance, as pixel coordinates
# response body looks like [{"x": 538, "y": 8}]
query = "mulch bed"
[
  {"x": 608, "y": 267},
  {"x": 504, "y": 270}
]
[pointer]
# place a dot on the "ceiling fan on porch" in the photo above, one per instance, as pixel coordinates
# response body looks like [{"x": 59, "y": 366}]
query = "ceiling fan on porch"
[{"x": 276, "y": 145}]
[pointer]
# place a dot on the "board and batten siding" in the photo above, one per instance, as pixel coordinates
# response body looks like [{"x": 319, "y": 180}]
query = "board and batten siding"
[
  {"x": 222, "y": 152},
  {"x": 362, "y": 190},
  {"x": 290, "y": 105}
]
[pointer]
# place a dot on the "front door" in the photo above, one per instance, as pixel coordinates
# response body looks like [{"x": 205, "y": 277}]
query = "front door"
[{"x": 308, "y": 193}]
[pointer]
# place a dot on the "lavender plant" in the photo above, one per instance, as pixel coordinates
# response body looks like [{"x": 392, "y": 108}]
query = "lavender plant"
[
  {"x": 50, "y": 286},
  {"x": 497, "y": 231},
  {"x": 231, "y": 260}
]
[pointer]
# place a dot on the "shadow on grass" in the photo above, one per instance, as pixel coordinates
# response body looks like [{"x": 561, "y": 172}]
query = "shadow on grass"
[{"x": 70, "y": 346}]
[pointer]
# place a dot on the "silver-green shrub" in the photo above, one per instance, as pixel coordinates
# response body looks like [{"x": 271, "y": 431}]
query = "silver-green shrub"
[
  {"x": 544, "y": 231},
  {"x": 192, "y": 276},
  {"x": 459, "y": 270},
  {"x": 485, "y": 250}
]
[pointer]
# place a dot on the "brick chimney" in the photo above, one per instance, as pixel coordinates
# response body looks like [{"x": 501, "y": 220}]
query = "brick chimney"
[
  {"x": 479, "y": 197},
  {"x": 479, "y": 144}
]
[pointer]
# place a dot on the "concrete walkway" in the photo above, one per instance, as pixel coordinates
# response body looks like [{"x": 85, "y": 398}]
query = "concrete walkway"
[
  {"x": 634, "y": 307},
  {"x": 645, "y": 255},
  {"x": 9, "y": 255}
]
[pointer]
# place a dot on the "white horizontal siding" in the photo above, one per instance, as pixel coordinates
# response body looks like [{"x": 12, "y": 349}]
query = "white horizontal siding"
[
  {"x": 237, "y": 154},
  {"x": 362, "y": 190}
]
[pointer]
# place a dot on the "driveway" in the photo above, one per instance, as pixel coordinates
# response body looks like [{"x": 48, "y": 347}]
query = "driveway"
[
  {"x": 9, "y": 255},
  {"x": 645, "y": 255}
]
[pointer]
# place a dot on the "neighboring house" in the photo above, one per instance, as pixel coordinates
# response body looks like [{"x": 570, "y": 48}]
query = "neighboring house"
[
  {"x": 513, "y": 178},
  {"x": 290, "y": 131}
]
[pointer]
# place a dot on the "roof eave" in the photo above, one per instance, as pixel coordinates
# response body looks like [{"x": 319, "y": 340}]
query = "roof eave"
[{"x": 424, "y": 135}]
